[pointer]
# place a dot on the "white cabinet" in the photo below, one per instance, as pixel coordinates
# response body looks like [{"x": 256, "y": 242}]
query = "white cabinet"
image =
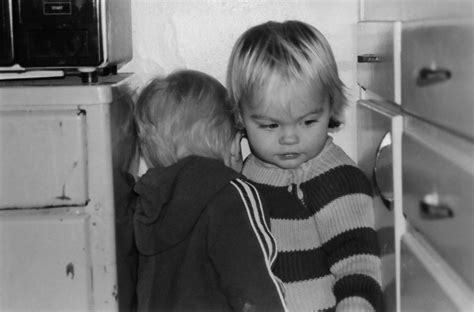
[
  {"x": 378, "y": 148},
  {"x": 424, "y": 69},
  {"x": 438, "y": 198},
  {"x": 392, "y": 10},
  {"x": 63, "y": 144}
]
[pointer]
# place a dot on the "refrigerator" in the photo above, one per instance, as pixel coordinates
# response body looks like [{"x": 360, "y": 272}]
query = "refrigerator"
[
  {"x": 64, "y": 145},
  {"x": 423, "y": 71}
]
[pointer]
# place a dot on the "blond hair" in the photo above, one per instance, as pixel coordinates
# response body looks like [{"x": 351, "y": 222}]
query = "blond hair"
[
  {"x": 186, "y": 113},
  {"x": 289, "y": 52}
]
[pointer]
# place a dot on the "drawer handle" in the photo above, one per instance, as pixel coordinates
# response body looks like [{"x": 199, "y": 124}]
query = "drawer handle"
[
  {"x": 368, "y": 58},
  {"x": 428, "y": 76},
  {"x": 434, "y": 210}
]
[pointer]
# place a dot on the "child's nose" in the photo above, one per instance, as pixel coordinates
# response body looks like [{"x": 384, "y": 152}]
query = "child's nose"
[{"x": 289, "y": 137}]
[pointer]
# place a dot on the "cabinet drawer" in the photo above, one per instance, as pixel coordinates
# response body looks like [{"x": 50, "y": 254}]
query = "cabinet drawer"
[
  {"x": 438, "y": 184},
  {"x": 43, "y": 158},
  {"x": 427, "y": 282},
  {"x": 45, "y": 262},
  {"x": 437, "y": 74},
  {"x": 375, "y": 58}
]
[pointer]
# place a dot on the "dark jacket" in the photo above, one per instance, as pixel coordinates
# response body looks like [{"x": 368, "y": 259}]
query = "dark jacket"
[
  {"x": 127, "y": 254},
  {"x": 203, "y": 242}
]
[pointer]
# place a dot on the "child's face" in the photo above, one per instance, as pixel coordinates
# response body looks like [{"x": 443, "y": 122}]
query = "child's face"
[{"x": 287, "y": 127}]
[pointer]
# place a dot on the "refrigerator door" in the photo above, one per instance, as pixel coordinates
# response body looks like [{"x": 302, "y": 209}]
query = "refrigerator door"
[{"x": 437, "y": 72}]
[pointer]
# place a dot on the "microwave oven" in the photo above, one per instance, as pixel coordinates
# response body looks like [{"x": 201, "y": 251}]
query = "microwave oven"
[
  {"x": 66, "y": 34},
  {"x": 6, "y": 36}
]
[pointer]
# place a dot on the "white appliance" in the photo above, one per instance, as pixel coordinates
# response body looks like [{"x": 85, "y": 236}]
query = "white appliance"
[
  {"x": 423, "y": 70},
  {"x": 438, "y": 171},
  {"x": 378, "y": 131},
  {"x": 63, "y": 144}
]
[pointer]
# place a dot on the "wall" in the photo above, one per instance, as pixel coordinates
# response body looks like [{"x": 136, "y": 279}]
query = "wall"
[{"x": 200, "y": 34}]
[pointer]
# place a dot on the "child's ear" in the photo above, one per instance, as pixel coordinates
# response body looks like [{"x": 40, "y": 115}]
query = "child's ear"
[
  {"x": 334, "y": 125},
  {"x": 239, "y": 120},
  {"x": 235, "y": 158}
]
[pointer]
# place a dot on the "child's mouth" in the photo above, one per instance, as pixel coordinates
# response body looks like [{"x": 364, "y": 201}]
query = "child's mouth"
[{"x": 289, "y": 156}]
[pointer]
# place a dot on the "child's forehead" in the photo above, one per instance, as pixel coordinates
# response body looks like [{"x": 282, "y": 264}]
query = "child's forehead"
[{"x": 289, "y": 94}]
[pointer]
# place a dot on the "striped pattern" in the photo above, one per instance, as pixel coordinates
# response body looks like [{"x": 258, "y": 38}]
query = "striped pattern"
[
  {"x": 328, "y": 247},
  {"x": 313, "y": 291},
  {"x": 253, "y": 205}
]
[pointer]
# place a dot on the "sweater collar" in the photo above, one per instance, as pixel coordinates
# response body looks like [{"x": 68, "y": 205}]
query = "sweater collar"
[{"x": 265, "y": 173}]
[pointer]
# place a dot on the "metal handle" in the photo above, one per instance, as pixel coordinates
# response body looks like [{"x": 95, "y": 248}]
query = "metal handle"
[
  {"x": 368, "y": 58},
  {"x": 383, "y": 175},
  {"x": 431, "y": 208},
  {"x": 429, "y": 76}
]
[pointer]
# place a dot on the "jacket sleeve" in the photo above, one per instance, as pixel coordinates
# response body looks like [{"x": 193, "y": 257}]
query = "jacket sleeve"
[
  {"x": 346, "y": 227},
  {"x": 126, "y": 251},
  {"x": 242, "y": 250}
]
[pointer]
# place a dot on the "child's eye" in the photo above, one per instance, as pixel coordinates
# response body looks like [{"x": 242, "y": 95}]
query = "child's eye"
[
  {"x": 269, "y": 126},
  {"x": 309, "y": 122}
]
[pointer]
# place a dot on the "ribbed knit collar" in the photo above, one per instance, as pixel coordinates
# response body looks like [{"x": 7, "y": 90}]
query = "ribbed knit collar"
[{"x": 264, "y": 173}]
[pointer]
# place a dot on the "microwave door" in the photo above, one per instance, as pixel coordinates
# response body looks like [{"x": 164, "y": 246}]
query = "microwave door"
[{"x": 6, "y": 34}]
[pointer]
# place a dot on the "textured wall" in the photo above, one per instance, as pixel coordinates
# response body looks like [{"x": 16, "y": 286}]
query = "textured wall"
[{"x": 200, "y": 34}]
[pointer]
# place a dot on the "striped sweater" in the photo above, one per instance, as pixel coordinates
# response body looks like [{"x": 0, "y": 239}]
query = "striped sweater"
[{"x": 322, "y": 218}]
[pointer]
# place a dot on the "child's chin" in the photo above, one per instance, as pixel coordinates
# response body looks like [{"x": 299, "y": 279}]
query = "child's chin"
[{"x": 289, "y": 164}]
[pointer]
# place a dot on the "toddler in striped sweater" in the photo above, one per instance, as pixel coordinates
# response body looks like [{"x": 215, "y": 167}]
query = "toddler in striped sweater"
[{"x": 287, "y": 95}]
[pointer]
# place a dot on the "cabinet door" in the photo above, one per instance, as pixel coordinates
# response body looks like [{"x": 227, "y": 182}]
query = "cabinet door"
[{"x": 43, "y": 158}]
